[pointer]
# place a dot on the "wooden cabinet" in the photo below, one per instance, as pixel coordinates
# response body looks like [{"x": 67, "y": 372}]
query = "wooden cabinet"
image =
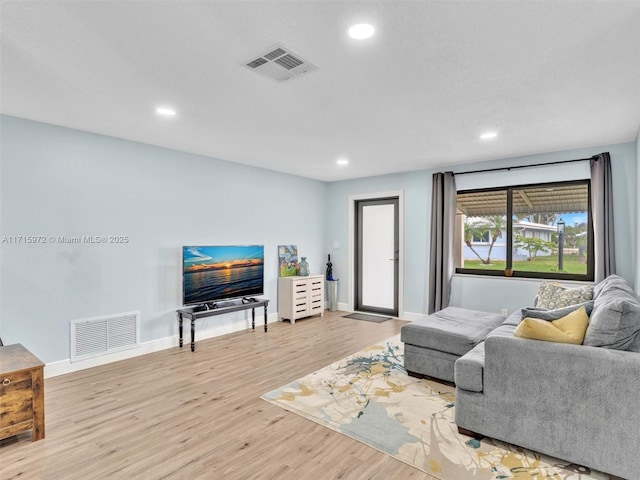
[
  {"x": 300, "y": 297},
  {"x": 21, "y": 392}
]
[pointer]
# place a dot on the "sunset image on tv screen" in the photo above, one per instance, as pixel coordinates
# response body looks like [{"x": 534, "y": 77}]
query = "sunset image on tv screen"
[{"x": 218, "y": 272}]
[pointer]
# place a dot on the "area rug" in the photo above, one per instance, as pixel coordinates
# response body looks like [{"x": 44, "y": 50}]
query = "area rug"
[
  {"x": 368, "y": 396},
  {"x": 367, "y": 317}
]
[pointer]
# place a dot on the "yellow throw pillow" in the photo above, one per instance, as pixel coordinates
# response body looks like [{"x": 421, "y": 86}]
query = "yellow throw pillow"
[{"x": 568, "y": 329}]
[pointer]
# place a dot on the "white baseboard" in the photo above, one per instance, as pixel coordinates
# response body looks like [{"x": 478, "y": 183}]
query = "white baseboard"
[
  {"x": 343, "y": 307},
  {"x": 62, "y": 367}
]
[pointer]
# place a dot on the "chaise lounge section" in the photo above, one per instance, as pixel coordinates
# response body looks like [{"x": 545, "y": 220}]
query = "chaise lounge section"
[{"x": 433, "y": 344}]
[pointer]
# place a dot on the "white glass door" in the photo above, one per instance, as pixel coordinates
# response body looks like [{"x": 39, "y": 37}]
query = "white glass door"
[{"x": 377, "y": 256}]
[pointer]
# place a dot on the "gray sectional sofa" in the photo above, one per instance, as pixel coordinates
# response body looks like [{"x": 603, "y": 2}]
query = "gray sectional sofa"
[{"x": 579, "y": 403}]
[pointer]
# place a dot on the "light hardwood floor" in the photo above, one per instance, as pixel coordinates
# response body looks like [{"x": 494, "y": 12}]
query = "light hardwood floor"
[{"x": 177, "y": 414}]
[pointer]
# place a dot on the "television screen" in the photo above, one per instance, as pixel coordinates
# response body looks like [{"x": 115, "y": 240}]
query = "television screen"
[{"x": 211, "y": 273}]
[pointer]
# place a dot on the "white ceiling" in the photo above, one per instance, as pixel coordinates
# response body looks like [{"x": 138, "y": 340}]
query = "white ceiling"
[{"x": 546, "y": 75}]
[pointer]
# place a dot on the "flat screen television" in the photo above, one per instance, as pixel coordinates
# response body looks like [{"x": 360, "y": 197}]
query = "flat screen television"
[{"x": 221, "y": 272}]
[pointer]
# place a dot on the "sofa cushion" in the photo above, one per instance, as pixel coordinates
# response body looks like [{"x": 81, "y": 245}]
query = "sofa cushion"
[
  {"x": 549, "y": 315},
  {"x": 452, "y": 330},
  {"x": 432, "y": 363},
  {"x": 568, "y": 329},
  {"x": 552, "y": 295},
  {"x": 504, "y": 330},
  {"x": 514, "y": 319},
  {"x": 615, "y": 320},
  {"x": 469, "y": 370}
]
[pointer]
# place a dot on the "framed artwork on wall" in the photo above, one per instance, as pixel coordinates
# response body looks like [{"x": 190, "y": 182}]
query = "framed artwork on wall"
[{"x": 288, "y": 260}]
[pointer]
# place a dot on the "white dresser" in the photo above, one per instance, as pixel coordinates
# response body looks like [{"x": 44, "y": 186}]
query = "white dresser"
[{"x": 300, "y": 297}]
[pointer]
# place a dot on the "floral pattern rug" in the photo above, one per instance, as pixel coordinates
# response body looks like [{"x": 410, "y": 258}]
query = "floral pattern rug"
[{"x": 369, "y": 397}]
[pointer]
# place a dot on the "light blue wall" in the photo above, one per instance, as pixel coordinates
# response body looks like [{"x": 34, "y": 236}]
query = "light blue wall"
[
  {"x": 477, "y": 292},
  {"x": 416, "y": 188},
  {"x": 57, "y": 181}
]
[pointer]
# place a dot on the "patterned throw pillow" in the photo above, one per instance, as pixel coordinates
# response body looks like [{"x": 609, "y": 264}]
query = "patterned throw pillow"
[{"x": 552, "y": 295}]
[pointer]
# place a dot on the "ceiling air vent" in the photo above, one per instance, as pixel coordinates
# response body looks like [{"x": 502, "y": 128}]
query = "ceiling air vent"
[{"x": 280, "y": 63}]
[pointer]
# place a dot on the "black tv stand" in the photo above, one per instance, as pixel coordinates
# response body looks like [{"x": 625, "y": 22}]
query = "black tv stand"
[{"x": 219, "y": 308}]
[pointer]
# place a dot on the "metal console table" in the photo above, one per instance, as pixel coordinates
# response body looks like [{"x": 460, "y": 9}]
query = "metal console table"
[{"x": 202, "y": 311}]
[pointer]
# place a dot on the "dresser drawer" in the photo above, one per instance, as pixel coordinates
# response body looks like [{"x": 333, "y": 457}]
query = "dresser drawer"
[
  {"x": 299, "y": 295},
  {"x": 316, "y": 307},
  {"x": 300, "y": 289},
  {"x": 16, "y": 398},
  {"x": 301, "y": 313}
]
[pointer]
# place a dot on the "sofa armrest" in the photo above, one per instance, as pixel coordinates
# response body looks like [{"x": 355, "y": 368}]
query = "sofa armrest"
[{"x": 582, "y": 403}]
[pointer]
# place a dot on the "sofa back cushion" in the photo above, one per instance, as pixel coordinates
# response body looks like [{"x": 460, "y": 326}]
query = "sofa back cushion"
[
  {"x": 615, "y": 319},
  {"x": 552, "y": 295},
  {"x": 612, "y": 281},
  {"x": 635, "y": 346}
]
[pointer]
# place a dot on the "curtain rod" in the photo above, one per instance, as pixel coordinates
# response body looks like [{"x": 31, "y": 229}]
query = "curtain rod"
[{"x": 595, "y": 157}]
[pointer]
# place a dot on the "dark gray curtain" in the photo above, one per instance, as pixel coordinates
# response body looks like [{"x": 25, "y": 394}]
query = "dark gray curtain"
[
  {"x": 443, "y": 216},
  {"x": 602, "y": 211}
]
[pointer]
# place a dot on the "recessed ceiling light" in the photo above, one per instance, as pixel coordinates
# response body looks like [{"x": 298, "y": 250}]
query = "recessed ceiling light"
[
  {"x": 488, "y": 135},
  {"x": 342, "y": 162},
  {"x": 166, "y": 111},
  {"x": 361, "y": 31}
]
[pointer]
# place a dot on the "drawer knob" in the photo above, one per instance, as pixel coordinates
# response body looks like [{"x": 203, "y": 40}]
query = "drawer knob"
[{"x": 6, "y": 382}]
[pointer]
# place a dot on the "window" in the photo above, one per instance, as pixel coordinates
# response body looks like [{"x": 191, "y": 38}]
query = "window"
[
  {"x": 541, "y": 231},
  {"x": 481, "y": 237}
]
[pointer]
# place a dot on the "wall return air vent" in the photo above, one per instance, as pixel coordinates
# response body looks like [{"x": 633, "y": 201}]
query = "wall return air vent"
[
  {"x": 280, "y": 63},
  {"x": 93, "y": 337}
]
